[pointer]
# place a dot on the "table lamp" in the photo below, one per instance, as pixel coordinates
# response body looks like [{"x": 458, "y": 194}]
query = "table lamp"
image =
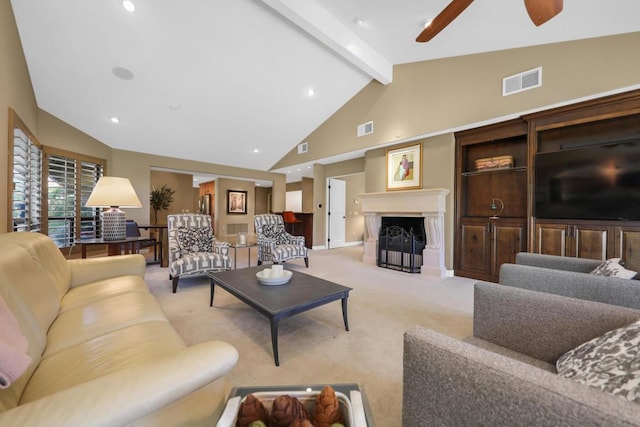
[{"x": 113, "y": 193}]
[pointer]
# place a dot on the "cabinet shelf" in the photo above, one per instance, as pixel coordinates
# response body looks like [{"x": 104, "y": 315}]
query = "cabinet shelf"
[{"x": 497, "y": 170}]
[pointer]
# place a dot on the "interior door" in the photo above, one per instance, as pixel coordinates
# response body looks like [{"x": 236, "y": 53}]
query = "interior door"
[{"x": 337, "y": 216}]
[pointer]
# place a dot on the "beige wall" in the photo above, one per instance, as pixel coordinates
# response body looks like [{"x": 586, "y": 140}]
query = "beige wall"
[
  {"x": 307, "y": 194},
  {"x": 436, "y": 97},
  {"x": 432, "y": 97},
  {"x": 183, "y": 196},
  {"x": 354, "y": 224},
  {"x": 222, "y": 218},
  {"x": 261, "y": 200},
  {"x": 438, "y": 162},
  {"x": 15, "y": 92},
  {"x": 320, "y": 175}
]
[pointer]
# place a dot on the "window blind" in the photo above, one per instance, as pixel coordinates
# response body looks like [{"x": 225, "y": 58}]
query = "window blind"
[{"x": 26, "y": 197}]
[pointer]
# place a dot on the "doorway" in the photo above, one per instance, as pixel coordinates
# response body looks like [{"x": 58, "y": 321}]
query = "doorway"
[{"x": 336, "y": 209}]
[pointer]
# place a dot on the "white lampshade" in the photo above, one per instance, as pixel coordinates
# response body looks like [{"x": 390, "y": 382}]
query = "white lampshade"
[{"x": 114, "y": 193}]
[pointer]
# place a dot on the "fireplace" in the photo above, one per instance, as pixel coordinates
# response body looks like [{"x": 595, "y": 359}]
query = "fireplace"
[
  {"x": 400, "y": 243},
  {"x": 427, "y": 205}
]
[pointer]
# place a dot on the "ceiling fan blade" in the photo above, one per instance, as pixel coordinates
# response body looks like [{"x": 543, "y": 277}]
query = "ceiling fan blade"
[
  {"x": 443, "y": 19},
  {"x": 540, "y": 11}
]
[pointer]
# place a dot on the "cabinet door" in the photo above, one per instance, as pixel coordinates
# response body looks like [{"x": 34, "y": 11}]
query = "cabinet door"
[
  {"x": 552, "y": 239},
  {"x": 589, "y": 241},
  {"x": 474, "y": 248},
  {"x": 507, "y": 240},
  {"x": 627, "y": 246}
]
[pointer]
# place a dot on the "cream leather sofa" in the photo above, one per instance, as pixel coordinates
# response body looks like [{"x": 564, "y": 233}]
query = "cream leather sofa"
[{"x": 103, "y": 351}]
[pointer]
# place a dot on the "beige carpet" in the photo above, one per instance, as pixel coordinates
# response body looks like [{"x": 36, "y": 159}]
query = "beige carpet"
[{"x": 314, "y": 346}]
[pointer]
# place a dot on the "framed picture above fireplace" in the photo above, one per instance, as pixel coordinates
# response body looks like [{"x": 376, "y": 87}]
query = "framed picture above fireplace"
[{"x": 404, "y": 167}]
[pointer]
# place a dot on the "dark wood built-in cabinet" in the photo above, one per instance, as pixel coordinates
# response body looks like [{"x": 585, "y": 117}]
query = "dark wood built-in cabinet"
[
  {"x": 483, "y": 242},
  {"x": 491, "y": 204}
]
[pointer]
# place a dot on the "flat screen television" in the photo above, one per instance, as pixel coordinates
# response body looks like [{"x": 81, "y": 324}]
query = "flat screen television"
[{"x": 595, "y": 182}]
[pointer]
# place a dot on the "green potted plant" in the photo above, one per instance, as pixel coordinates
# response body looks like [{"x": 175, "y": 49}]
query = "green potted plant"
[{"x": 160, "y": 200}]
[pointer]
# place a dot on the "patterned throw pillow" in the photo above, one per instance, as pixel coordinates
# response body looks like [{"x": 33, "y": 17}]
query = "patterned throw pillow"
[
  {"x": 195, "y": 239},
  {"x": 276, "y": 233},
  {"x": 610, "y": 362},
  {"x": 612, "y": 268}
]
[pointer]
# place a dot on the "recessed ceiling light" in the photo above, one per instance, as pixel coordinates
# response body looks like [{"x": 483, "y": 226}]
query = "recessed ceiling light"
[
  {"x": 255, "y": 150},
  {"x": 359, "y": 21},
  {"x": 311, "y": 92},
  {"x": 308, "y": 167},
  {"x": 129, "y": 6},
  {"x": 258, "y": 184},
  {"x": 298, "y": 169},
  {"x": 122, "y": 73},
  {"x": 114, "y": 119},
  {"x": 288, "y": 171}
]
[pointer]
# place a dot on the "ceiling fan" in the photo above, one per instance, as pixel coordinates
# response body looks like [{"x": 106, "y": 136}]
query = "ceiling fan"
[{"x": 540, "y": 11}]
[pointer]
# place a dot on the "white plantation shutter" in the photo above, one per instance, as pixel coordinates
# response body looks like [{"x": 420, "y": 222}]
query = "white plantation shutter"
[
  {"x": 90, "y": 219},
  {"x": 61, "y": 199},
  {"x": 70, "y": 180},
  {"x": 26, "y": 194}
]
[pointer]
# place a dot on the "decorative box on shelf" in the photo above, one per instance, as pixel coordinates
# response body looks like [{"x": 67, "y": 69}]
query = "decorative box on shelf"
[{"x": 494, "y": 162}]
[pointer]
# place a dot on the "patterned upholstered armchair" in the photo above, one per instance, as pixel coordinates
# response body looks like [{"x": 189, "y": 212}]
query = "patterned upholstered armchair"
[
  {"x": 275, "y": 244},
  {"x": 193, "y": 249}
]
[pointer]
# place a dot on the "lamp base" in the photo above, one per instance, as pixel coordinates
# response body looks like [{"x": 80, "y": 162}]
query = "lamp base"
[{"x": 114, "y": 225}]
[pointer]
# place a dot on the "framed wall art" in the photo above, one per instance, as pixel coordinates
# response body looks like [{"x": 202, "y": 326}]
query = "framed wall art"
[
  {"x": 404, "y": 167},
  {"x": 236, "y": 202}
]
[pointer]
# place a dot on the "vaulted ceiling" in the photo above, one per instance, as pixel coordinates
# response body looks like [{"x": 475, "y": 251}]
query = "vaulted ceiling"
[{"x": 241, "y": 82}]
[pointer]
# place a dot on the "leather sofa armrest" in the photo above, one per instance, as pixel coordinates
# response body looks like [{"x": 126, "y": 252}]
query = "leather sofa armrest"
[
  {"x": 125, "y": 396},
  {"x": 449, "y": 382},
  {"x": 541, "y": 325},
  {"x": 89, "y": 270}
]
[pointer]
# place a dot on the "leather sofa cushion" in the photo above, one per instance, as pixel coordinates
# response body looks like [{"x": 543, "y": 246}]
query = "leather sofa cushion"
[
  {"x": 104, "y": 354},
  {"x": 97, "y": 291},
  {"x": 92, "y": 320}
]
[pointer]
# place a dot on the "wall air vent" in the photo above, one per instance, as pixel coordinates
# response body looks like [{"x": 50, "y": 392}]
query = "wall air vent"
[
  {"x": 303, "y": 148},
  {"x": 522, "y": 81},
  {"x": 365, "y": 129}
]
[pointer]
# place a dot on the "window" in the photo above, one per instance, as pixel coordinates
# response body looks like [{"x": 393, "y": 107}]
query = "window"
[
  {"x": 70, "y": 179},
  {"x": 26, "y": 176},
  {"x": 50, "y": 188}
]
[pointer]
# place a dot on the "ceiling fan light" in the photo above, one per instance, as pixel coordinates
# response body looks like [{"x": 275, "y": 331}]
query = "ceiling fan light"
[{"x": 129, "y": 6}]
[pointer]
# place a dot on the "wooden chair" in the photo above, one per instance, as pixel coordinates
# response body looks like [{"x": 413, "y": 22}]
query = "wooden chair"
[
  {"x": 290, "y": 220},
  {"x": 134, "y": 231}
]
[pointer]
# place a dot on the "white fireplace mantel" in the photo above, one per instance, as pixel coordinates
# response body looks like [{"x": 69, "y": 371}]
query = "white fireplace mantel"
[{"x": 428, "y": 203}]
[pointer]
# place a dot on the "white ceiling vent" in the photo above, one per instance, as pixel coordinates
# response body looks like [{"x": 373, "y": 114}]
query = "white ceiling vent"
[
  {"x": 303, "y": 148},
  {"x": 521, "y": 82},
  {"x": 365, "y": 129}
]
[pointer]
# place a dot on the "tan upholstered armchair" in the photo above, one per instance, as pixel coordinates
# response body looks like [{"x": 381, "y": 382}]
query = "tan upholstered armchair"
[
  {"x": 275, "y": 244},
  {"x": 193, "y": 249}
]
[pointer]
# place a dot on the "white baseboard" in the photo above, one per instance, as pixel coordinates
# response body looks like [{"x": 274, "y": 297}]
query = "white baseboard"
[{"x": 323, "y": 247}]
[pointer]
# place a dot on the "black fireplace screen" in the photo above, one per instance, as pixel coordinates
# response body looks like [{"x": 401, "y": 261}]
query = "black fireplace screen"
[{"x": 400, "y": 249}]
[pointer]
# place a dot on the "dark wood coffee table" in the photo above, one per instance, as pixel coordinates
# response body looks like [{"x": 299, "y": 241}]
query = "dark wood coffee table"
[{"x": 277, "y": 302}]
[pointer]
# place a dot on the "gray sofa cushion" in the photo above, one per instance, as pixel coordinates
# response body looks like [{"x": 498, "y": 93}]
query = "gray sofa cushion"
[
  {"x": 486, "y": 345},
  {"x": 610, "y": 290},
  {"x": 583, "y": 265}
]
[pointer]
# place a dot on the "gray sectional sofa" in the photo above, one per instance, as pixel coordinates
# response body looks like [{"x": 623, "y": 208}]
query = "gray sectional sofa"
[
  {"x": 504, "y": 375},
  {"x": 569, "y": 277}
]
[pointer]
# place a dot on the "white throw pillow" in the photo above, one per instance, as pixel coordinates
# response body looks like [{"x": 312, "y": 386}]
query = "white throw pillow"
[
  {"x": 612, "y": 268},
  {"x": 610, "y": 362}
]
